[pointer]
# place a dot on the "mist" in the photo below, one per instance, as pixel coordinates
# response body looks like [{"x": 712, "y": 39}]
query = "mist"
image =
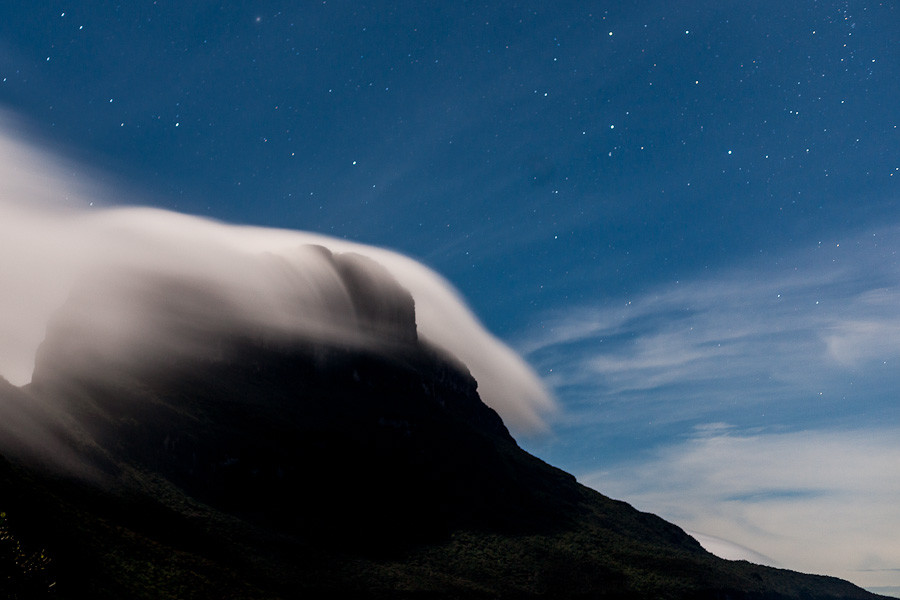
[{"x": 72, "y": 250}]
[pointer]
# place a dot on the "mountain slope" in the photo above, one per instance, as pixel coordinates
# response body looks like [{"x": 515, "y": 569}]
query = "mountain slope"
[
  {"x": 283, "y": 470},
  {"x": 278, "y": 468}
]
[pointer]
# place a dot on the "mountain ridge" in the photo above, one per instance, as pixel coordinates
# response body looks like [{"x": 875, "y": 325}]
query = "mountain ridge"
[
  {"x": 274, "y": 467},
  {"x": 483, "y": 520}
]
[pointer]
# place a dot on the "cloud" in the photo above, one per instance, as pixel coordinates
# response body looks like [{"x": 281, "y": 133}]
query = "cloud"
[
  {"x": 822, "y": 325},
  {"x": 816, "y": 501},
  {"x": 54, "y": 237},
  {"x": 798, "y": 353}
]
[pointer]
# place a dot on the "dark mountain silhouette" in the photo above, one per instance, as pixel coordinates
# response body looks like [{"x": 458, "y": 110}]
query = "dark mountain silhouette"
[{"x": 276, "y": 468}]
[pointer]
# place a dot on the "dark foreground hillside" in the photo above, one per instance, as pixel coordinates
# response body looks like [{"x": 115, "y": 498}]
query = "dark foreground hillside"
[
  {"x": 287, "y": 472},
  {"x": 259, "y": 467}
]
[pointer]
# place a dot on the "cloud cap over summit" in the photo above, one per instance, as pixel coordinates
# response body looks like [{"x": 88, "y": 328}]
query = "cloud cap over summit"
[{"x": 294, "y": 282}]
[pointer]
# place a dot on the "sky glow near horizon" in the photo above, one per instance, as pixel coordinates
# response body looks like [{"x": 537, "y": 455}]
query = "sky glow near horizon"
[{"x": 685, "y": 218}]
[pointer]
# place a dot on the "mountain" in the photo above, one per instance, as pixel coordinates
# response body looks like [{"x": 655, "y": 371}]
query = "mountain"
[{"x": 274, "y": 467}]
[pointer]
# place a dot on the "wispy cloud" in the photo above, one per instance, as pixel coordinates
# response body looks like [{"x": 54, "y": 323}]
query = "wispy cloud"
[
  {"x": 798, "y": 354},
  {"x": 817, "y": 501},
  {"x": 822, "y": 325}
]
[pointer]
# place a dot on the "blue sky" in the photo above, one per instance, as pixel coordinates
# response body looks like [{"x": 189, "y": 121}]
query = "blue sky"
[{"x": 684, "y": 217}]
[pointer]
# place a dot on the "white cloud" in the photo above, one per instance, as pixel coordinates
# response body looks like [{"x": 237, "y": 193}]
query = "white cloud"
[
  {"x": 853, "y": 342},
  {"x": 806, "y": 326},
  {"x": 813, "y": 501},
  {"x": 51, "y": 237}
]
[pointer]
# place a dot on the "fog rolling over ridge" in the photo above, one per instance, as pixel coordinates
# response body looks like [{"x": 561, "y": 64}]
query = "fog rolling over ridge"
[{"x": 108, "y": 265}]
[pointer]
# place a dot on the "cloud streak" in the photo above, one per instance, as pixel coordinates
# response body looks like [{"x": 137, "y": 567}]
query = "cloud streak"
[
  {"x": 821, "y": 327},
  {"x": 815, "y": 501},
  {"x": 797, "y": 354},
  {"x": 54, "y": 238}
]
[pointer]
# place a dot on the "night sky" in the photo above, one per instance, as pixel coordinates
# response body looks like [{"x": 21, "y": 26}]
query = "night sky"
[{"x": 684, "y": 215}]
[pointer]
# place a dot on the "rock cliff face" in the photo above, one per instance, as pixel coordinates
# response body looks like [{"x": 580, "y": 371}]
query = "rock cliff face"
[
  {"x": 269, "y": 466},
  {"x": 382, "y": 308}
]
